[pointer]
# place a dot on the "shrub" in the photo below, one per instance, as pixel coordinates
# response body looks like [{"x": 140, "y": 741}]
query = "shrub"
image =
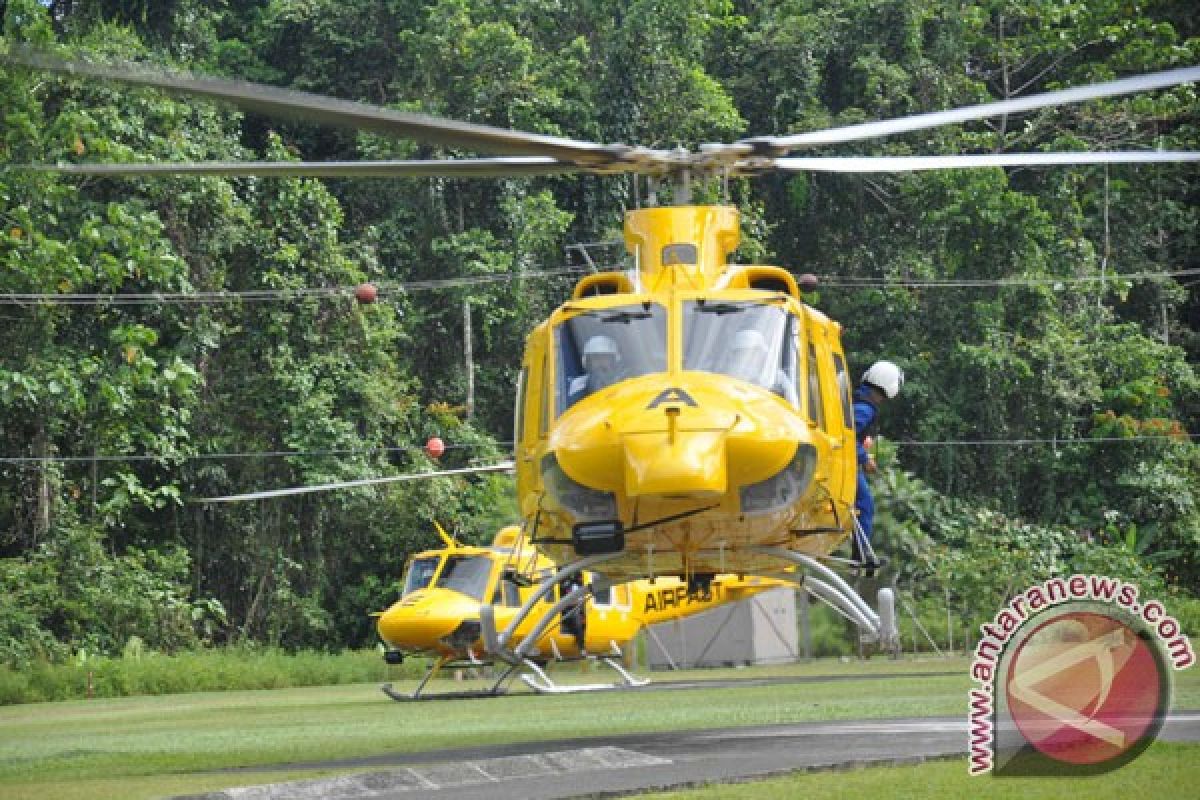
[{"x": 153, "y": 673}]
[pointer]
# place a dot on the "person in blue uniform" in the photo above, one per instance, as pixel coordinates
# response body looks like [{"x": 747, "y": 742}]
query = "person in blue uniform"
[{"x": 880, "y": 383}]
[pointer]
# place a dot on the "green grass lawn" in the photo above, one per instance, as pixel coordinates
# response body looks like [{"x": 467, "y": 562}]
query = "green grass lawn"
[{"x": 152, "y": 746}]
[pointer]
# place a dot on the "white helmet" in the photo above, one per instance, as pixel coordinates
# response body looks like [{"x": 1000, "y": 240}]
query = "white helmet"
[
  {"x": 886, "y": 377},
  {"x": 601, "y": 346},
  {"x": 748, "y": 356},
  {"x": 749, "y": 339},
  {"x": 602, "y": 361}
]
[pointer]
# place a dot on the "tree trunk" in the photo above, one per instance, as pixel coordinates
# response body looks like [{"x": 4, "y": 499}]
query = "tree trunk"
[{"x": 41, "y": 521}]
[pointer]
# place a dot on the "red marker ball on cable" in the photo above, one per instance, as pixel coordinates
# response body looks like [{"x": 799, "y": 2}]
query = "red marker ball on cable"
[{"x": 365, "y": 293}]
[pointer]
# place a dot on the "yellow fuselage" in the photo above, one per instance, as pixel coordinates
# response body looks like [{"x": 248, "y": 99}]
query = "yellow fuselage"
[
  {"x": 692, "y": 462},
  {"x": 438, "y": 620}
]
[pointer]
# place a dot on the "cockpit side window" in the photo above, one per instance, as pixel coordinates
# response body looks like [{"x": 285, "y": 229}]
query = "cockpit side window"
[
  {"x": 544, "y": 398},
  {"x": 816, "y": 410},
  {"x": 845, "y": 391},
  {"x": 420, "y": 573},
  {"x": 519, "y": 409},
  {"x": 598, "y": 348}
]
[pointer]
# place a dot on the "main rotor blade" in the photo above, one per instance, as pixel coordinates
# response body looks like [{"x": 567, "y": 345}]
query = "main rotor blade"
[
  {"x": 316, "y": 108},
  {"x": 916, "y": 163},
  {"x": 237, "y": 498},
  {"x": 778, "y": 145},
  {"x": 457, "y": 168}
]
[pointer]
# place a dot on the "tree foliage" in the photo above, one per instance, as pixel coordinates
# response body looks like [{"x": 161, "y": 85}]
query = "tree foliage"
[{"x": 1053, "y": 406}]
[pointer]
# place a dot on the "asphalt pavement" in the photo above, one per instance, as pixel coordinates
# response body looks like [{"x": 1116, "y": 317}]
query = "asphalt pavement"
[{"x": 619, "y": 765}]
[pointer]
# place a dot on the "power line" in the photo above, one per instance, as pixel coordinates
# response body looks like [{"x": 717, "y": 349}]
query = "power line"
[
  {"x": 230, "y": 456},
  {"x": 873, "y": 283},
  {"x": 263, "y": 295},
  {"x": 301, "y": 293},
  {"x": 1051, "y": 441},
  {"x": 271, "y": 454}
]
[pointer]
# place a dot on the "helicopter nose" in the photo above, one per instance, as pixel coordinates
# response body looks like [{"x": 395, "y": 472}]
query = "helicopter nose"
[
  {"x": 699, "y": 436},
  {"x": 675, "y": 461},
  {"x": 425, "y": 619}
]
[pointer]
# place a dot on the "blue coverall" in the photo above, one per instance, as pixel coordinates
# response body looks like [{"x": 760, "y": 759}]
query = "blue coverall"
[{"x": 865, "y": 414}]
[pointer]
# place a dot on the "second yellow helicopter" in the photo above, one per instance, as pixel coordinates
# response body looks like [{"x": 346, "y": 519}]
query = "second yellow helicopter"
[{"x": 444, "y": 590}]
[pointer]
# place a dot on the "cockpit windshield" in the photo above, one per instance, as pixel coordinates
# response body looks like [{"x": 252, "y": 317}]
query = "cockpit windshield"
[
  {"x": 466, "y": 574},
  {"x": 600, "y": 347},
  {"x": 420, "y": 573},
  {"x": 748, "y": 340}
]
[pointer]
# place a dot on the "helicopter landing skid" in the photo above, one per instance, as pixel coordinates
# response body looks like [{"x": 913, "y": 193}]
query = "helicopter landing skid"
[
  {"x": 541, "y": 683},
  {"x": 496, "y": 643},
  {"x": 866, "y": 563},
  {"x": 497, "y": 689},
  {"x": 874, "y": 628},
  {"x": 417, "y": 697}
]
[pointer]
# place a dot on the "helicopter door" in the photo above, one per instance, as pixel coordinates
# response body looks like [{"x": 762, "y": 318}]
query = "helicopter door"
[
  {"x": 845, "y": 390},
  {"x": 816, "y": 384},
  {"x": 532, "y": 413},
  {"x": 520, "y": 423},
  {"x": 826, "y": 399},
  {"x": 506, "y": 593},
  {"x": 613, "y": 597}
]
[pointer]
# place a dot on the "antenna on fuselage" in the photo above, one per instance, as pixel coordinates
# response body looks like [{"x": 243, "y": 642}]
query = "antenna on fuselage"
[{"x": 447, "y": 538}]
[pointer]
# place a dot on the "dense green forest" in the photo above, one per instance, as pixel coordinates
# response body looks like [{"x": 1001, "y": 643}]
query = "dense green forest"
[{"x": 167, "y": 339}]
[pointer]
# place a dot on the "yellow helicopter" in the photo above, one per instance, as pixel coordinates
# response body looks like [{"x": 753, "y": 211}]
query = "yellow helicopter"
[
  {"x": 719, "y": 436},
  {"x": 438, "y": 613}
]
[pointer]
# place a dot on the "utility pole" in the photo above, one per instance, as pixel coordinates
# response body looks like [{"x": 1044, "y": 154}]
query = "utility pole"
[{"x": 469, "y": 358}]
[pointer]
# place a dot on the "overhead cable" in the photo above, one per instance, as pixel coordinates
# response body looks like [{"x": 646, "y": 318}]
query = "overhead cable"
[
  {"x": 261, "y": 295},
  {"x": 229, "y": 456},
  {"x": 300, "y": 293},
  {"x": 951, "y": 283},
  {"x": 270, "y": 454},
  {"x": 1181, "y": 436}
]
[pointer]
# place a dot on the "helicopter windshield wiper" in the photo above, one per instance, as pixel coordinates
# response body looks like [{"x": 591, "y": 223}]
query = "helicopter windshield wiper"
[
  {"x": 732, "y": 306},
  {"x": 721, "y": 309},
  {"x": 624, "y": 316}
]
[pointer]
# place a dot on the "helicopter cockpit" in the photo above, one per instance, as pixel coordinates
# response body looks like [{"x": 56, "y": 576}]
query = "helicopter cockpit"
[
  {"x": 464, "y": 574},
  {"x": 751, "y": 341},
  {"x": 420, "y": 572},
  {"x": 600, "y": 347}
]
